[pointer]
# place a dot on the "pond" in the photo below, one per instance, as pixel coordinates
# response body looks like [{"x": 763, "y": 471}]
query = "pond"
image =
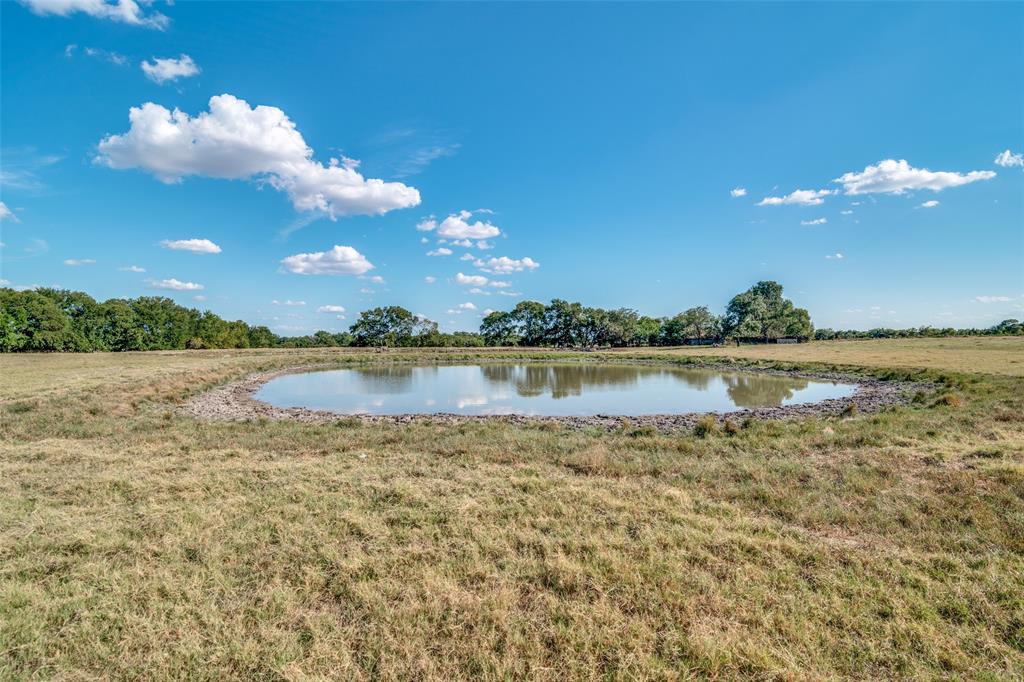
[{"x": 542, "y": 389}]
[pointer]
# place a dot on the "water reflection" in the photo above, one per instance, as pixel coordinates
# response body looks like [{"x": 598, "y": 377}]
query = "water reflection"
[
  {"x": 535, "y": 388},
  {"x": 758, "y": 390}
]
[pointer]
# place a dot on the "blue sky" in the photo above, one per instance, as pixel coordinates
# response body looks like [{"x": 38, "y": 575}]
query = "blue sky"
[{"x": 602, "y": 142}]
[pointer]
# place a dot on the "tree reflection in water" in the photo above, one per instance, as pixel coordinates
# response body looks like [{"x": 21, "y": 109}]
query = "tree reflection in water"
[
  {"x": 561, "y": 381},
  {"x": 761, "y": 390},
  {"x": 388, "y": 380}
]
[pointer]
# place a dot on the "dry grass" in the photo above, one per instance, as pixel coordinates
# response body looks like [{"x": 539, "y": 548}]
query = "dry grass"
[
  {"x": 135, "y": 543},
  {"x": 981, "y": 354}
]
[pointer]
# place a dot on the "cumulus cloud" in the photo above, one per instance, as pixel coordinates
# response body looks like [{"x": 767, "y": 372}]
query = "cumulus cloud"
[
  {"x": 816, "y": 221},
  {"x": 234, "y": 141},
  {"x": 7, "y": 214},
  {"x": 193, "y": 245},
  {"x": 430, "y": 279},
  {"x": 505, "y": 265},
  {"x": 331, "y": 309},
  {"x": 461, "y": 308},
  {"x": 74, "y": 262},
  {"x": 896, "y": 177},
  {"x": 457, "y": 226},
  {"x": 167, "y": 69},
  {"x": 441, "y": 251},
  {"x": 835, "y": 256},
  {"x": 800, "y": 197},
  {"x": 992, "y": 299},
  {"x": 174, "y": 285},
  {"x": 929, "y": 204},
  {"x": 132, "y": 268},
  {"x": 738, "y": 192},
  {"x": 498, "y": 284},
  {"x": 199, "y": 297},
  {"x": 1008, "y": 159},
  {"x": 289, "y": 302},
  {"x": 427, "y": 224},
  {"x": 847, "y": 212},
  {"x": 341, "y": 260},
  {"x": 124, "y": 11},
  {"x": 474, "y": 280}
]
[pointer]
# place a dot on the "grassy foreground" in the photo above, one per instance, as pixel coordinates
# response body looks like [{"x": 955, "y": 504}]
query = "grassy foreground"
[{"x": 137, "y": 543}]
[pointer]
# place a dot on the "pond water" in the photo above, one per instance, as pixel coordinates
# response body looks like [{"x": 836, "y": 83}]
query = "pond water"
[{"x": 541, "y": 389}]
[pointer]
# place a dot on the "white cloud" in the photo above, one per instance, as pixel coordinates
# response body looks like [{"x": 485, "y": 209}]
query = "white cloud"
[
  {"x": 174, "y": 285},
  {"x": 199, "y": 297},
  {"x": 800, "y": 197},
  {"x": 427, "y": 224},
  {"x": 484, "y": 245},
  {"x": 475, "y": 280},
  {"x": 461, "y": 308},
  {"x": 169, "y": 69},
  {"x": 929, "y": 204},
  {"x": 73, "y": 262},
  {"x": 193, "y": 245},
  {"x": 1008, "y": 159},
  {"x": 816, "y": 221},
  {"x": 7, "y": 214},
  {"x": 835, "y": 256},
  {"x": 132, "y": 268},
  {"x": 289, "y": 302},
  {"x": 430, "y": 279},
  {"x": 847, "y": 212},
  {"x": 479, "y": 291},
  {"x": 896, "y": 177},
  {"x": 331, "y": 309},
  {"x": 992, "y": 299},
  {"x": 510, "y": 293},
  {"x": 124, "y": 11},
  {"x": 464, "y": 243},
  {"x": 376, "y": 279},
  {"x": 458, "y": 227},
  {"x": 505, "y": 265},
  {"x": 738, "y": 192},
  {"x": 467, "y": 256},
  {"x": 234, "y": 141},
  {"x": 498, "y": 284},
  {"x": 442, "y": 251},
  {"x": 366, "y": 290},
  {"x": 341, "y": 260}
]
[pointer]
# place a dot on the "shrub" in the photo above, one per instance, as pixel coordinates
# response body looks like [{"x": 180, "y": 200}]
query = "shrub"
[
  {"x": 948, "y": 400},
  {"x": 730, "y": 427},
  {"x": 705, "y": 426},
  {"x": 849, "y": 411}
]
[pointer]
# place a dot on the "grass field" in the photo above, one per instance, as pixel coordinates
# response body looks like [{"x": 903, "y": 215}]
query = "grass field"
[{"x": 138, "y": 543}]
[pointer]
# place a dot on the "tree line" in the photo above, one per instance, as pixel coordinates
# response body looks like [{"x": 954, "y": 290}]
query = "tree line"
[
  {"x": 759, "y": 314},
  {"x": 61, "y": 320},
  {"x": 1009, "y": 327},
  {"x": 46, "y": 319}
]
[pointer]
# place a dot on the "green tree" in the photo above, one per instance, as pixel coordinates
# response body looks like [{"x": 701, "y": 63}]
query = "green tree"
[
  {"x": 531, "y": 321},
  {"x": 762, "y": 312},
  {"x": 390, "y": 326},
  {"x": 500, "y": 329}
]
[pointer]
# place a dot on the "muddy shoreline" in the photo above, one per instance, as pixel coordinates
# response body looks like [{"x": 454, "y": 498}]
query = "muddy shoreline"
[{"x": 234, "y": 402}]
